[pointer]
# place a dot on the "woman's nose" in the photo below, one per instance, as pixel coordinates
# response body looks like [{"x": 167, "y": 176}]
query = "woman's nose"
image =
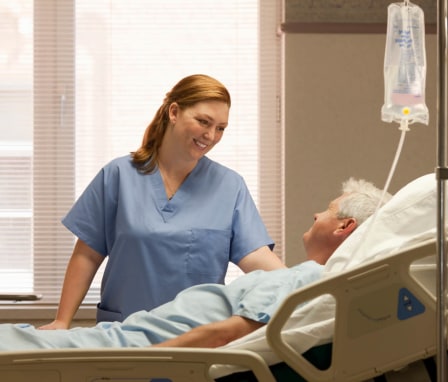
[{"x": 210, "y": 134}]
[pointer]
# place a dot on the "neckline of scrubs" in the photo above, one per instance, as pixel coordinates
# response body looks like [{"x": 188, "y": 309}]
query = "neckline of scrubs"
[{"x": 165, "y": 204}]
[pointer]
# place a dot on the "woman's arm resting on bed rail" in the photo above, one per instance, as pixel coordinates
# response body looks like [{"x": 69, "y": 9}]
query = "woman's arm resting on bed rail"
[{"x": 215, "y": 334}]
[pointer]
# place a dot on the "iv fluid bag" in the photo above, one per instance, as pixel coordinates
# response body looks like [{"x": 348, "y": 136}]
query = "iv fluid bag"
[{"x": 405, "y": 65}]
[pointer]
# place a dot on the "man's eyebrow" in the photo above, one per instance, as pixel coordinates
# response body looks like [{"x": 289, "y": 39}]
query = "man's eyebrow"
[{"x": 333, "y": 205}]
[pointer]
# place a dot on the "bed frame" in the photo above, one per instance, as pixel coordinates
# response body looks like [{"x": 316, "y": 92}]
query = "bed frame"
[
  {"x": 385, "y": 319},
  {"x": 125, "y": 365}
]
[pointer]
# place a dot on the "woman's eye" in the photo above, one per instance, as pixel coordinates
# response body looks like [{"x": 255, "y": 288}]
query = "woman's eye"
[{"x": 203, "y": 122}]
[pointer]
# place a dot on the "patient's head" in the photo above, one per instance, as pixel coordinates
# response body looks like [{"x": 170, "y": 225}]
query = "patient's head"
[{"x": 359, "y": 200}]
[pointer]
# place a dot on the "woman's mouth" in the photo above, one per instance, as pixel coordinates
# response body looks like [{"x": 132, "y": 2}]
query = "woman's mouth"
[{"x": 200, "y": 144}]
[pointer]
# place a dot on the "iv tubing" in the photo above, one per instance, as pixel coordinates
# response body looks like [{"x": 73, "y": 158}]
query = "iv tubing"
[
  {"x": 404, "y": 128},
  {"x": 442, "y": 176}
]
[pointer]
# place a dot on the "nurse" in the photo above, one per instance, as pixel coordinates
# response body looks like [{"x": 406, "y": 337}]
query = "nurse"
[{"x": 166, "y": 216}]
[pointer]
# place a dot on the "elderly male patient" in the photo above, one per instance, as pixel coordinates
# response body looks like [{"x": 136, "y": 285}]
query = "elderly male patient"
[{"x": 212, "y": 315}]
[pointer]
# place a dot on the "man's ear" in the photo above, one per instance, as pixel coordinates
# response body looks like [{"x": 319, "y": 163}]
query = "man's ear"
[{"x": 348, "y": 225}]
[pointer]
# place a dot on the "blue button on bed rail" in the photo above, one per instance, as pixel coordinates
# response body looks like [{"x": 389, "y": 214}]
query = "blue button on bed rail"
[{"x": 408, "y": 305}]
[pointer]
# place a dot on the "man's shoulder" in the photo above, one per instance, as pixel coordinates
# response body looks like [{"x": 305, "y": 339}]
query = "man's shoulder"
[{"x": 309, "y": 266}]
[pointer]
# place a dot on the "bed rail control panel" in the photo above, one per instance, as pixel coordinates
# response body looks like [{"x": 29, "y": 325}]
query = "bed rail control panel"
[
  {"x": 380, "y": 308},
  {"x": 408, "y": 305}
]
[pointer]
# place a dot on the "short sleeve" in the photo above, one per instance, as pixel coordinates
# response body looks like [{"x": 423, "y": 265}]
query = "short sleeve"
[
  {"x": 262, "y": 299},
  {"x": 248, "y": 229},
  {"x": 92, "y": 216}
]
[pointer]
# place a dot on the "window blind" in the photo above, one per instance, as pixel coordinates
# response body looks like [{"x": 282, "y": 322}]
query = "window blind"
[{"x": 80, "y": 81}]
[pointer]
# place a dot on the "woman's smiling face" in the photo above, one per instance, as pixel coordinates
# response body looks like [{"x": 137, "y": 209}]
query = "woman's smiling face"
[{"x": 197, "y": 129}]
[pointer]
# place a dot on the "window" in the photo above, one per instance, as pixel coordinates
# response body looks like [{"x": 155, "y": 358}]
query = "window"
[{"x": 79, "y": 82}]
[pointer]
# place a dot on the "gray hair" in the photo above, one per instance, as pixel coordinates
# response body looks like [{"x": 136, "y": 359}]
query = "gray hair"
[{"x": 361, "y": 200}]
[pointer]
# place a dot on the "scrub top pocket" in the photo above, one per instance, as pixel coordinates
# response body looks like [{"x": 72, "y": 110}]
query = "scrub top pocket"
[{"x": 208, "y": 254}]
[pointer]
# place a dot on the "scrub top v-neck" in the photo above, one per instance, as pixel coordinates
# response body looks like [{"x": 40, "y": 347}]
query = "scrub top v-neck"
[{"x": 157, "y": 247}]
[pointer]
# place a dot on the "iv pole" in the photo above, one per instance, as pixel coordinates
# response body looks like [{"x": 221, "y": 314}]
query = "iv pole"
[{"x": 442, "y": 175}]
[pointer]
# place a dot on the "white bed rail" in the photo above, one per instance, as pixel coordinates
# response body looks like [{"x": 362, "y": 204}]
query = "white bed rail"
[
  {"x": 124, "y": 365},
  {"x": 385, "y": 319}
]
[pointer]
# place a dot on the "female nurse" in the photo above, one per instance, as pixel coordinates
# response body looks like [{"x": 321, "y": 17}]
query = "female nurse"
[{"x": 166, "y": 216}]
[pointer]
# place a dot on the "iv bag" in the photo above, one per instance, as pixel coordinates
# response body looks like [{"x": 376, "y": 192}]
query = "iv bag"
[{"x": 405, "y": 65}]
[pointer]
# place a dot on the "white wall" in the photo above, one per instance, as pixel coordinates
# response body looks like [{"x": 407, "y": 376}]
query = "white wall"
[{"x": 334, "y": 91}]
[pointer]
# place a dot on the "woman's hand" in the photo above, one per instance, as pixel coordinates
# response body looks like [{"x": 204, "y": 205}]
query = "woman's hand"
[{"x": 56, "y": 324}]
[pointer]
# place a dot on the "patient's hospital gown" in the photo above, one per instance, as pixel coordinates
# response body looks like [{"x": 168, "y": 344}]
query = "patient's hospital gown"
[
  {"x": 157, "y": 247},
  {"x": 256, "y": 296}
]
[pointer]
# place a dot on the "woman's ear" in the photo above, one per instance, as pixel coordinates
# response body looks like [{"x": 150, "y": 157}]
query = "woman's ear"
[{"x": 172, "y": 111}]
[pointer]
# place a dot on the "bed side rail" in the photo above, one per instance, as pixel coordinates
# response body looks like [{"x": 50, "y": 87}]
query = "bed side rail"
[
  {"x": 142, "y": 364},
  {"x": 385, "y": 319}
]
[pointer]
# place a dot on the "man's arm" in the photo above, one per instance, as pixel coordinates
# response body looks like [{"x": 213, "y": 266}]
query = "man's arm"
[{"x": 214, "y": 334}]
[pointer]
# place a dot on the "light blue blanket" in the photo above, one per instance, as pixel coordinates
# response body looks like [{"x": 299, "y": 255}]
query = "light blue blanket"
[{"x": 256, "y": 296}]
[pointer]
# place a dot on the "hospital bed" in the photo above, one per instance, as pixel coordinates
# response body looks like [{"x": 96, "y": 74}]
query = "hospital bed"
[
  {"x": 381, "y": 308},
  {"x": 373, "y": 311}
]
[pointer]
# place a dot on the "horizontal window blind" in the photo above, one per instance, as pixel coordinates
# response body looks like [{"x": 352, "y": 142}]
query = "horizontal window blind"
[
  {"x": 16, "y": 146},
  {"x": 80, "y": 81}
]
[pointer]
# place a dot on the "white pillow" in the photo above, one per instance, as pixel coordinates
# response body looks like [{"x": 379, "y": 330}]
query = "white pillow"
[{"x": 408, "y": 217}]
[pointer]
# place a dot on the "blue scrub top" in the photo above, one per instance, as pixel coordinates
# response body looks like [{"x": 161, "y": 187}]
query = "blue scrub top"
[{"x": 158, "y": 247}]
